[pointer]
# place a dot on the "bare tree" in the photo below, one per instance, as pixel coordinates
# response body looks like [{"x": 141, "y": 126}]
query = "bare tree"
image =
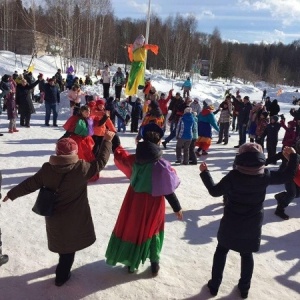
[{"x": 273, "y": 75}]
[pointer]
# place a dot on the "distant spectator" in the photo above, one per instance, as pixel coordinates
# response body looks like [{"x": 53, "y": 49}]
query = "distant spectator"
[
  {"x": 186, "y": 87},
  {"x": 264, "y": 94},
  {"x": 243, "y": 119},
  {"x": 268, "y": 103},
  {"x": 274, "y": 108},
  {"x": 30, "y": 79},
  {"x": 70, "y": 81},
  {"x": 136, "y": 113},
  {"x": 52, "y": 98},
  {"x": 42, "y": 83},
  {"x": 163, "y": 105},
  {"x": 195, "y": 106},
  {"x": 106, "y": 81},
  {"x": 88, "y": 80},
  {"x": 74, "y": 96},
  {"x": 59, "y": 80},
  {"x": 24, "y": 101},
  {"x": 118, "y": 82}
]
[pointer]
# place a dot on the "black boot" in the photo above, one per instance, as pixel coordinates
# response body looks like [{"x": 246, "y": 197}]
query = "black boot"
[
  {"x": 280, "y": 207},
  {"x": 213, "y": 291},
  {"x": 244, "y": 294},
  {"x": 280, "y": 213},
  {"x": 60, "y": 282},
  {"x": 154, "y": 268}
]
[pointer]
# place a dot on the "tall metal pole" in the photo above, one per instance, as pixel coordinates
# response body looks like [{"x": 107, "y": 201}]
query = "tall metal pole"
[
  {"x": 147, "y": 29},
  {"x": 148, "y": 22}
]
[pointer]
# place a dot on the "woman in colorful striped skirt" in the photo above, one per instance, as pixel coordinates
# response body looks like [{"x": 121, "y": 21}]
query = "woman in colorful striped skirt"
[{"x": 206, "y": 120}]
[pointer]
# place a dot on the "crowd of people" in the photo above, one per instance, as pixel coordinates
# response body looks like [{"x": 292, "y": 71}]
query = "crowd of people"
[{"x": 92, "y": 134}]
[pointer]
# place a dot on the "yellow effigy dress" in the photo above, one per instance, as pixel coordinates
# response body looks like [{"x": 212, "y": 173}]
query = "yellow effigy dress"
[{"x": 137, "y": 55}]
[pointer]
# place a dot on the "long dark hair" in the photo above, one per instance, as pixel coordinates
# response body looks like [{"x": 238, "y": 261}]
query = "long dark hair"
[{"x": 81, "y": 110}]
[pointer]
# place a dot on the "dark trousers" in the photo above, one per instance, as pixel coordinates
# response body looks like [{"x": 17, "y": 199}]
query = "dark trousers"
[
  {"x": 234, "y": 119},
  {"x": 50, "y": 107},
  {"x": 242, "y": 134},
  {"x": 271, "y": 148},
  {"x": 121, "y": 125},
  {"x": 172, "y": 134},
  {"x": 25, "y": 119},
  {"x": 292, "y": 191},
  {"x": 247, "y": 265},
  {"x": 98, "y": 141},
  {"x": 185, "y": 145},
  {"x": 64, "y": 266},
  {"x": 260, "y": 141},
  {"x": 134, "y": 124},
  {"x": 224, "y": 132},
  {"x": 106, "y": 90},
  {"x": 192, "y": 155},
  {"x": 118, "y": 90}
]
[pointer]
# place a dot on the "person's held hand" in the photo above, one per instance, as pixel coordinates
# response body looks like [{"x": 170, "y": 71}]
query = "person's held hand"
[
  {"x": 203, "y": 167},
  {"x": 287, "y": 151},
  {"x": 108, "y": 136},
  {"x": 179, "y": 215},
  {"x": 5, "y": 198}
]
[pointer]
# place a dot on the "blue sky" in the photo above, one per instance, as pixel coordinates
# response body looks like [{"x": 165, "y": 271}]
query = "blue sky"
[{"x": 247, "y": 21}]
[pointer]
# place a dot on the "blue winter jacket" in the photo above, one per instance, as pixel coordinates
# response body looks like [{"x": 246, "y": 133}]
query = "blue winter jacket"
[
  {"x": 187, "y": 84},
  {"x": 52, "y": 94},
  {"x": 185, "y": 127},
  {"x": 206, "y": 119}
]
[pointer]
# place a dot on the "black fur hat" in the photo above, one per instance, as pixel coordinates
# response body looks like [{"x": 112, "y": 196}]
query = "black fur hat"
[{"x": 152, "y": 127}]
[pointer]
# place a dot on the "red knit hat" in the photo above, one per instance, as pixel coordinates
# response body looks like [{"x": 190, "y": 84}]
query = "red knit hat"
[
  {"x": 66, "y": 146},
  {"x": 92, "y": 104},
  {"x": 100, "y": 102}
]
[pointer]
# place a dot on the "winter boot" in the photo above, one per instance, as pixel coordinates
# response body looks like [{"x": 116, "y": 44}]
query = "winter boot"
[
  {"x": 60, "y": 282},
  {"x": 155, "y": 268},
  {"x": 244, "y": 294},
  {"x": 213, "y": 291},
  {"x": 280, "y": 213}
]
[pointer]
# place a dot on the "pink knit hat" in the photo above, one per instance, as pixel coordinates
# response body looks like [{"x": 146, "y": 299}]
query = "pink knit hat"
[
  {"x": 66, "y": 146},
  {"x": 250, "y": 147},
  {"x": 250, "y": 159}
]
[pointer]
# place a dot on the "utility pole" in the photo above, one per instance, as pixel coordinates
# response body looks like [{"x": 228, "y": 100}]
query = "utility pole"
[{"x": 147, "y": 29}]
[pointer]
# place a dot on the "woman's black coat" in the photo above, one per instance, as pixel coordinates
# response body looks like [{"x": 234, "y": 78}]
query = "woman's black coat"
[{"x": 23, "y": 98}]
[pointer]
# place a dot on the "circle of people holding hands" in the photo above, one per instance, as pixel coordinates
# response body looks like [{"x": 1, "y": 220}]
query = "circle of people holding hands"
[{"x": 92, "y": 134}]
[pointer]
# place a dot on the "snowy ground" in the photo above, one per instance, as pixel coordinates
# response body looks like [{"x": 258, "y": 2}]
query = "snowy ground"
[{"x": 189, "y": 246}]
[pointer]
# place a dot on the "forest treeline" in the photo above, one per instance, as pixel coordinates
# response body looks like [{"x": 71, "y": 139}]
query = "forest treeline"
[{"x": 89, "y": 29}]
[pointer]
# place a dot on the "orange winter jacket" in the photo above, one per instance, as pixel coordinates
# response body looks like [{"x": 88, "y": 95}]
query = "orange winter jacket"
[{"x": 98, "y": 115}]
